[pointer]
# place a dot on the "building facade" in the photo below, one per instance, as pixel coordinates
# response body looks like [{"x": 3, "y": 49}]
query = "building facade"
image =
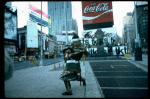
[
  {"x": 129, "y": 31},
  {"x": 10, "y": 30},
  {"x": 142, "y": 23},
  {"x": 57, "y": 16},
  {"x": 49, "y": 44}
]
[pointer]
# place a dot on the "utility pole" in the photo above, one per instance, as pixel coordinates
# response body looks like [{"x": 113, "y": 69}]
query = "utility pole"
[
  {"x": 65, "y": 22},
  {"x": 41, "y": 61}
]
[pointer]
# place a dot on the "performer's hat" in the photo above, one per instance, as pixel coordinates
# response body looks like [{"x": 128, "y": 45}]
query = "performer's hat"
[{"x": 75, "y": 37}]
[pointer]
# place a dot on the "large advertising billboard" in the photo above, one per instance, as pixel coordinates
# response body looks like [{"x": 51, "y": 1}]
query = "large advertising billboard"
[
  {"x": 90, "y": 37},
  {"x": 35, "y": 15},
  {"x": 95, "y": 12},
  {"x": 32, "y": 34},
  {"x": 10, "y": 24}
]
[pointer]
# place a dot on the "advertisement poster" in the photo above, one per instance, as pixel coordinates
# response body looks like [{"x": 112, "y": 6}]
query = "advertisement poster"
[
  {"x": 32, "y": 34},
  {"x": 97, "y": 12},
  {"x": 10, "y": 25},
  {"x": 35, "y": 15}
]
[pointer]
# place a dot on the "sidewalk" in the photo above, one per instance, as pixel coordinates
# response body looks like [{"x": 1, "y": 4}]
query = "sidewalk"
[
  {"x": 44, "y": 82},
  {"x": 144, "y": 61}
]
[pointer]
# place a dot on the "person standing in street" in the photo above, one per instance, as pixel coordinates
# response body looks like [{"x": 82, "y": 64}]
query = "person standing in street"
[{"x": 72, "y": 55}]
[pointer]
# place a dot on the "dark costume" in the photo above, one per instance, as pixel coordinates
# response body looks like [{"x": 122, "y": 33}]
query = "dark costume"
[{"x": 72, "y": 68}]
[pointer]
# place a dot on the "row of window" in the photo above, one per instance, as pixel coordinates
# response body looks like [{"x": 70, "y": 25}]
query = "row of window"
[{"x": 58, "y": 9}]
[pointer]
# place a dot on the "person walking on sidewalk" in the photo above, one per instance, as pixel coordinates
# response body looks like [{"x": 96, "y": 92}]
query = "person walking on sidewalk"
[{"x": 73, "y": 54}]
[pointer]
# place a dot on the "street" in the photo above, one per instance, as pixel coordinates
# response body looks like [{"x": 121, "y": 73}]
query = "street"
[
  {"x": 114, "y": 78},
  {"x": 27, "y": 64}
]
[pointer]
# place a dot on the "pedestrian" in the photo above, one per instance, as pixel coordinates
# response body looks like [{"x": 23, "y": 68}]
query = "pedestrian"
[
  {"x": 146, "y": 52},
  {"x": 72, "y": 55},
  {"x": 117, "y": 51},
  {"x": 8, "y": 65}
]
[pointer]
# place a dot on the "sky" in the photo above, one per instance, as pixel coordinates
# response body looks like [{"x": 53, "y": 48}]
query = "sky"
[{"x": 120, "y": 8}]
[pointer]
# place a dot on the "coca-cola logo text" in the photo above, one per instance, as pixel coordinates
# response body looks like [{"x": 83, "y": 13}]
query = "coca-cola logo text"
[{"x": 100, "y": 7}]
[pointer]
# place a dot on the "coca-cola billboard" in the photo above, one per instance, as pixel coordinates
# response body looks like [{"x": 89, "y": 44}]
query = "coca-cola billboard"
[{"x": 94, "y": 12}]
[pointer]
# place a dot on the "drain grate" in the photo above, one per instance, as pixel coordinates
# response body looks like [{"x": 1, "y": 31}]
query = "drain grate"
[
  {"x": 131, "y": 82},
  {"x": 111, "y": 62},
  {"x": 125, "y": 93},
  {"x": 122, "y": 82},
  {"x": 114, "y": 73},
  {"x": 116, "y": 77},
  {"x": 139, "y": 73},
  {"x": 108, "y": 82},
  {"x": 117, "y": 69}
]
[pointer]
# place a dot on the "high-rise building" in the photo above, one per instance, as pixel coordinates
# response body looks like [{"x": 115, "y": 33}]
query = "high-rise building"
[
  {"x": 129, "y": 31},
  {"x": 57, "y": 16},
  {"x": 142, "y": 22}
]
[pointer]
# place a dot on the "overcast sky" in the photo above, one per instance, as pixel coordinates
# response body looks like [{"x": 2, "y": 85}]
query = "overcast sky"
[{"x": 120, "y": 8}]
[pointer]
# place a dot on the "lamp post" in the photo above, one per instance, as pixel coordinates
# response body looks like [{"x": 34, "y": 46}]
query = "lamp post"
[{"x": 41, "y": 61}]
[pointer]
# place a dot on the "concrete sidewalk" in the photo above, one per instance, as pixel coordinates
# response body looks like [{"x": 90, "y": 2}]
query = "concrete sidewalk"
[
  {"x": 44, "y": 82},
  {"x": 144, "y": 61}
]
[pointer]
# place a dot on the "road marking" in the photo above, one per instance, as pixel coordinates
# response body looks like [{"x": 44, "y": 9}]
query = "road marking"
[{"x": 112, "y": 66}]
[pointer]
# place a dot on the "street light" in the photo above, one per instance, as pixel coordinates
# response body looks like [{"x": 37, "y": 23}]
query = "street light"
[
  {"x": 118, "y": 43},
  {"x": 41, "y": 62}
]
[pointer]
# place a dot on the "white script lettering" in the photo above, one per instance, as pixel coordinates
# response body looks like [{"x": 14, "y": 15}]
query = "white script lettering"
[{"x": 100, "y": 7}]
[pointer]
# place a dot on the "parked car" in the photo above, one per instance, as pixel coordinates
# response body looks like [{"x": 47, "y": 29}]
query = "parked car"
[
  {"x": 9, "y": 66},
  {"x": 16, "y": 58},
  {"x": 23, "y": 55},
  {"x": 30, "y": 57}
]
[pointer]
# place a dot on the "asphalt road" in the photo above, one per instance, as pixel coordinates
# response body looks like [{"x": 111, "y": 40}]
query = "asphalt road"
[{"x": 28, "y": 63}]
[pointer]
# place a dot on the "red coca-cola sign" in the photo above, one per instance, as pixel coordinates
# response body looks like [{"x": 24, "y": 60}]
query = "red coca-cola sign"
[{"x": 97, "y": 12}]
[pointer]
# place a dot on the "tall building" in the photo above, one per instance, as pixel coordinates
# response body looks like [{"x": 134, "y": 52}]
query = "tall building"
[
  {"x": 57, "y": 15},
  {"x": 142, "y": 22},
  {"x": 129, "y": 31}
]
